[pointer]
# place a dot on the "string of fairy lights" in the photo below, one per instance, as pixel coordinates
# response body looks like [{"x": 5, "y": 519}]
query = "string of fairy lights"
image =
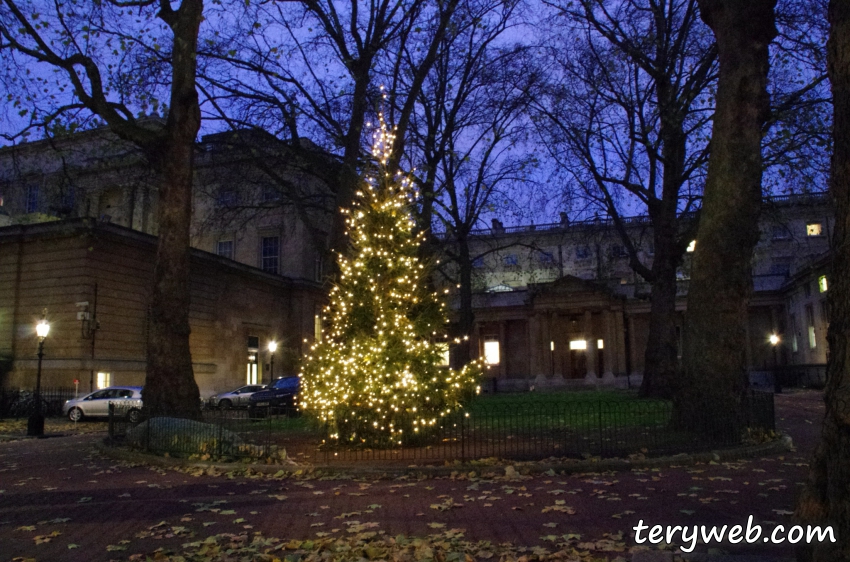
[{"x": 376, "y": 376}]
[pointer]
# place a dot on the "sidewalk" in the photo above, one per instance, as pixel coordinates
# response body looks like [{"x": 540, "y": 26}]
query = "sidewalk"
[{"x": 59, "y": 500}]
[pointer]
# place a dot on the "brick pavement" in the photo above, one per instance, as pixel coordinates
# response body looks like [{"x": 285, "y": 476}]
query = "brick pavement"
[{"x": 85, "y": 507}]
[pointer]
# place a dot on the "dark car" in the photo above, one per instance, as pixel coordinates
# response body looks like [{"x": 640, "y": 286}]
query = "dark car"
[{"x": 278, "y": 398}]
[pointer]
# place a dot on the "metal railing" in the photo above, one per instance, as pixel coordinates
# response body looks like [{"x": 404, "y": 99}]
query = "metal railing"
[
  {"x": 566, "y": 428},
  {"x": 558, "y": 426},
  {"x": 19, "y": 403}
]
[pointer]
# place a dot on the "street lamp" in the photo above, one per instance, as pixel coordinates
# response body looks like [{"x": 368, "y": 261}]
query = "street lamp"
[
  {"x": 777, "y": 383},
  {"x": 35, "y": 424},
  {"x": 272, "y": 349}
]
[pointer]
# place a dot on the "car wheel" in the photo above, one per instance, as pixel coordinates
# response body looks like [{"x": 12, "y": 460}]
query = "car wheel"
[
  {"x": 134, "y": 416},
  {"x": 75, "y": 414},
  {"x": 225, "y": 404}
]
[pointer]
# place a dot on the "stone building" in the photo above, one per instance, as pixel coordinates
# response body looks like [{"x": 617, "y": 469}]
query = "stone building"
[
  {"x": 555, "y": 304},
  {"x": 94, "y": 279},
  {"x": 558, "y": 304}
]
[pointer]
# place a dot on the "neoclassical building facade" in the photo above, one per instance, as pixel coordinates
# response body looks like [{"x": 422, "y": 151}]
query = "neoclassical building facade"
[{"x": 554, "y": 304}]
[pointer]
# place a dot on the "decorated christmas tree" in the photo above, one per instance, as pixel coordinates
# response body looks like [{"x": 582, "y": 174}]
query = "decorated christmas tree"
[{"x": 377, "y": 376}]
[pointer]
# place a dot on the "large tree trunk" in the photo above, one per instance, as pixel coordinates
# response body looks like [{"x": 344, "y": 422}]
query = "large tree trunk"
[
  {"x": 463, "y": 352},
  {"x": 170, "y": 387},
  {"x": 826, "y": 498},
  {"x": 714, "y": 360},
  {"x": 661, "y": 360}
]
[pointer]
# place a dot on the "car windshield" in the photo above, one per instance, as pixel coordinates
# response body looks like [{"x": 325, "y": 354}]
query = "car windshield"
[{"x": 288, "y": 383}]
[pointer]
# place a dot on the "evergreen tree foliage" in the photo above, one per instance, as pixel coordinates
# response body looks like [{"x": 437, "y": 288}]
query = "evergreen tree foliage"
[{"x": 377, "y": 375}]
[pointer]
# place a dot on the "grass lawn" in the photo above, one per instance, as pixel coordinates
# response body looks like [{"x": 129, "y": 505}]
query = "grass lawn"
[{"x": 574, "y": 410}]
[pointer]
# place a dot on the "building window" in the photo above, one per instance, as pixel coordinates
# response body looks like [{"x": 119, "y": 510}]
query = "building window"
[
  {"x": 547, "y": 258},
  {"x": 582, "y": 252},
  {"x": 270, "y": 253},
  {"x": 318, "y": 268},
  {"x": 491, "y": 352},
  {"x": 511, "y": 260},
  {"x": 807, "y": 289},
  {"x": 824, "y": 311},
  {"x": 814, "y": 229},
  {"x": 227, "y": 198},
  {"x": 781, "y": 266},
  {"x": 443, "y": 351},
  {"x": 478, "y": 263},
  {"x": 317, "y": 327},
  {"x": 32, "y": 199},
  {"x": 270, "y": 194},
  {"x": 822, "y": 285},
  {"x": 619, "y": 251},
  {"x": 810, "y": 322},
  {"x": 224, "y": 248},
  {"x": 692, "y": 246},
  {"x": 781, "y": 232},
  {"x": 104, "y": 380},
  {"x": 578, "y": 345},
  {"x": 600, "y": 344}
]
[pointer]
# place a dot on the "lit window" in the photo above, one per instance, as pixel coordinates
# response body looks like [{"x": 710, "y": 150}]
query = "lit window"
[
  {"x": 578, "y": 345},
  {"x": 317, "y": 328},
  {"x": 814, "y": 229},
  {"x": 551, "y": 346},
  {"x": 270, "y": 247},
  {"x": 104, "y": 380},
  {"x": 813, "y": 343},
  {"x": 692, "y": 246},
  {"x": 600, "y": 344},
  {"x": 822, "y": 285},
  {"x": 443, "y": 349},
  {"x": 224, "y": 248},
  {"x": 491, "y": 352}
]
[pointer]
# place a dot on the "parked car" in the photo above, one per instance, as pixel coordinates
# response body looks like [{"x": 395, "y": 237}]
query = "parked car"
[
  {"x": 127, "y": 400},
  {"x": 278, "y": 398},
  {"x": 237, "y": 398}
]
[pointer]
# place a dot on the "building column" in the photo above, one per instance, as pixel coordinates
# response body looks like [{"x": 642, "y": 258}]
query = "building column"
[
  {"x": 535, "y": 346},
  {"x": 503, "y": 364},
  {"x": 633, "y": 347},
  {"x": 608, "y": 347},
  {"x": 620, "y": 337},
  {"x": 590, "y": 352}
]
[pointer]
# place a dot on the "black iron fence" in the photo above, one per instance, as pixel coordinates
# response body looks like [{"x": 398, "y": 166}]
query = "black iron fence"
[
  {"x": 560, "y": 426},
  {"x": 219, "y": 435},
  {"x": 17, "y": 403}
]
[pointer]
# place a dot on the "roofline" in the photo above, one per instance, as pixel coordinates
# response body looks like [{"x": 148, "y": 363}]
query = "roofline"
[{"x": 88, "y": 224}]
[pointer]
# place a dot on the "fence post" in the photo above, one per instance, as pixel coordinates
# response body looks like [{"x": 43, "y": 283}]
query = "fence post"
[
  {"x": 462, "y": 437},
  {"x": 111, "y": 424},
  {"x": 601, "y": 444},
  {"x": 218, "y": 441}
]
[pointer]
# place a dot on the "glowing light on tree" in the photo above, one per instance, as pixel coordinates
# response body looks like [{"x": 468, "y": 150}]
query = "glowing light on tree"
[{"x": 375, "y": 376}]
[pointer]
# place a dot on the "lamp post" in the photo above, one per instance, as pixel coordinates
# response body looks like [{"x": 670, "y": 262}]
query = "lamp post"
[
  {"x": 777, "y": 383},
  {"x": 35, "y": 424},
  {"x": 272, "y": 349}
]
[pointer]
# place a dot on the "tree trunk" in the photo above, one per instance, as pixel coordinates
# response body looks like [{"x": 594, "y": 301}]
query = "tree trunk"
[
  {"x": 170, "y": 387},
  {"x": 466, "y": 317},
  {"x": 661, "y": 360},
  {"x": 715, "y": 370},
  {"x": 826, "y": 498}
]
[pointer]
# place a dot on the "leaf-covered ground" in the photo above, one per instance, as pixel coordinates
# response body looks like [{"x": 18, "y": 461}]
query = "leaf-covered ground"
[
  {"x": 59, "y": 500},
  {"x": 15, "y": 428}
]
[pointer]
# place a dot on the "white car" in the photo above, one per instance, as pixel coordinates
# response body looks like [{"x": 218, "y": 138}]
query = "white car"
[{"x": 127, "y": 400}]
